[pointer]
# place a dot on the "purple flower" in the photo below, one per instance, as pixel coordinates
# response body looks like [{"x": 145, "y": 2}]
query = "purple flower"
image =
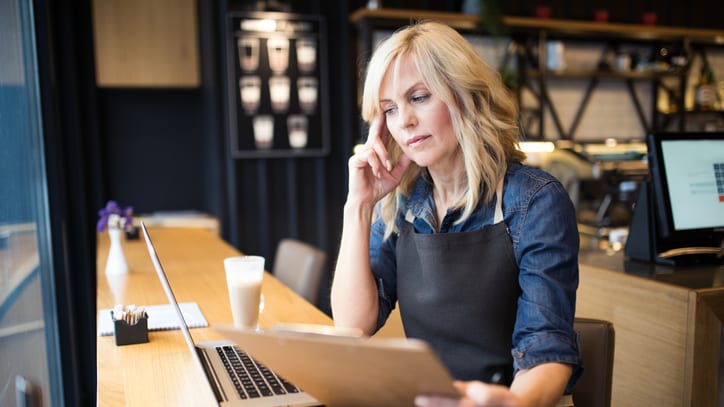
[{"x": 123, "y": 217}]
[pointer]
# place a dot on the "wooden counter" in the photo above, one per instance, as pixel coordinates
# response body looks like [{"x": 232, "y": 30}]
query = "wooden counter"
[
  {"x": 668, "y": 328},
  {"x": 162, "y": 371}
]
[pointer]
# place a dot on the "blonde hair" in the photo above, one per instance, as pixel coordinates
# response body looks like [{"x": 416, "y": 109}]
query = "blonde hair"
[{"x": 483, "y": 112}]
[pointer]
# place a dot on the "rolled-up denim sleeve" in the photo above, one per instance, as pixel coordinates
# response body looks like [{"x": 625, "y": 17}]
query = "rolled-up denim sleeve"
[
  {"x": 384, "y": 268},
  {"x": 548, "y": 262}
]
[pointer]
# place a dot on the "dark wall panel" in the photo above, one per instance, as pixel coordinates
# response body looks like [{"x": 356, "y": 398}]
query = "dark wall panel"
[{"x": 154, "y": 148}]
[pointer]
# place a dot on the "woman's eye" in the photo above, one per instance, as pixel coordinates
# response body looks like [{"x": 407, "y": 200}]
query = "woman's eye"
[
  {"x": 419, "y": 98},
  {"x": 388, "y": 111}
]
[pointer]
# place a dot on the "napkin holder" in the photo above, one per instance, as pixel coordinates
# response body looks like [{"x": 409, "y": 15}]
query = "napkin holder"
[{"x": 129, "y": 334}]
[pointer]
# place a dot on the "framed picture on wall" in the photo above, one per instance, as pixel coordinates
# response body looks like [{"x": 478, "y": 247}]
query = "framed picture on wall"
[{"x": 278, "y": 97}]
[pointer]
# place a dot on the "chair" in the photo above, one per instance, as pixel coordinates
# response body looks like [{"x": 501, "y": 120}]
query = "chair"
[
  {"x": 597, "y": 342},
  {"x": 300, "y": 266}
]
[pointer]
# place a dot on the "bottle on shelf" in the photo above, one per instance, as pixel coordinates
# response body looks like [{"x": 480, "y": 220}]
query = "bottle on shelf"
[{"x": 705, "y": 90}]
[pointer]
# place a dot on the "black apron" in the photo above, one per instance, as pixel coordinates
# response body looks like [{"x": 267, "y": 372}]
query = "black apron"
[{"x": 459, "y": 292}]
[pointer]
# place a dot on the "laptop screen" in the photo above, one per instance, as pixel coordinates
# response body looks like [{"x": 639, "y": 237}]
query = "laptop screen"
[{"x": 167, "y": 289}]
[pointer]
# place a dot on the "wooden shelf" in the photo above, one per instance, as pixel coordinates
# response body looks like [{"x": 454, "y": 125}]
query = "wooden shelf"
[
  {"x": 615, "y": 30},
  {"x": 400, "y": 16},
  {"x": 588, "y": 73},
  {"x": 530, "y": 24}
]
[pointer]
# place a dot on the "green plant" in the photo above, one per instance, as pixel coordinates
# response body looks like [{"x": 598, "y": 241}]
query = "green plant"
[{"x": 491, "y": 16}]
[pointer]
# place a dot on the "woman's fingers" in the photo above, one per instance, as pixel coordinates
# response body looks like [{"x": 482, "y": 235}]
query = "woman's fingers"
[
  {"x": 374, "y": 155},
  {"x": 437, "y": 401},
  {"x": 368, "y": 158},
  {"x": 384, "y": 169},
  {"x": 378, "y": 129},
  {"x": 377, "y": 140},
  {"x": 475, "y": 394}
]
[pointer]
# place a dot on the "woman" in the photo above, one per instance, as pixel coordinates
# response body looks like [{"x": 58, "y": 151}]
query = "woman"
[{"x": 489, "y": 283}]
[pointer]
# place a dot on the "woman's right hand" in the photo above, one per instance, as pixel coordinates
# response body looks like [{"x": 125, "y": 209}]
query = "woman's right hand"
[{"x": 371, "y": 175}]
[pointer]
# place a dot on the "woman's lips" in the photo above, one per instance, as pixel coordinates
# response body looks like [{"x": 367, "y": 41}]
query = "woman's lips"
[{"x": 417, "y": 140}]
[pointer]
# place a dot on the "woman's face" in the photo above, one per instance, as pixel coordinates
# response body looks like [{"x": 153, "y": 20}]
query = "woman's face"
[{"x": 418, "y": 120}]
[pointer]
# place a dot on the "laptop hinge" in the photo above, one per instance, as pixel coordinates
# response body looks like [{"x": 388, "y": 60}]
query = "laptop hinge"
[{"x": 211, "y": 376}]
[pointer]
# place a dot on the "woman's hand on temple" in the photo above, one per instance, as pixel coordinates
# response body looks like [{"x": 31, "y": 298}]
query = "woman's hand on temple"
[
  {"x": 474, "y": 394},
  {"x": 371, "y": 173}
]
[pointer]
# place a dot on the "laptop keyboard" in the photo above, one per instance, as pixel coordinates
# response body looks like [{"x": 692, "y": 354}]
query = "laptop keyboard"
[{"x": 252, "y": 379}]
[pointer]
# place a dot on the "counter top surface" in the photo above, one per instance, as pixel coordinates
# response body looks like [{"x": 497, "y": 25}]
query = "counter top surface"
[{"x": 693, "y": 277}]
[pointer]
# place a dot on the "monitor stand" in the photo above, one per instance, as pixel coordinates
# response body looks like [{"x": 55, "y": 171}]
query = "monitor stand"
[{"x": 643, "y": 243}]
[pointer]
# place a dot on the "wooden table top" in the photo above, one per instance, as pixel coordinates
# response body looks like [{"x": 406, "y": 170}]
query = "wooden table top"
[{"x": 162, "y": 371}]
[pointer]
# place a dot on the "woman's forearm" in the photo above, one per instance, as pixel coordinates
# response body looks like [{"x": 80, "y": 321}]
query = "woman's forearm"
[
  {"x": 354, "y": 297},
  {"x": 542, "y": 385}
]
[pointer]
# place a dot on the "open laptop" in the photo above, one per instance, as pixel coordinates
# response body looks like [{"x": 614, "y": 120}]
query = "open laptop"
[
  {"x": 349, "y": 371},
  {"x": 235, "y": 378}
]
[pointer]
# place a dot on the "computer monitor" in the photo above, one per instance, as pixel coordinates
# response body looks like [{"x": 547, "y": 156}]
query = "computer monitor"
[{"x": 679, "y": 215}]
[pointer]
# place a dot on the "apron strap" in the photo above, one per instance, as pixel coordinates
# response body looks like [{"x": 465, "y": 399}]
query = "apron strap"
[
  {"x": 499, "y": 203},
  {"x": 497, "y": 217}
]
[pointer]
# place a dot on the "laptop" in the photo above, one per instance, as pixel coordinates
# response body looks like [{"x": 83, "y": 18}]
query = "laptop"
[
  {"x": 235, "y": 378},
  {"x": 346, "y": 370}
]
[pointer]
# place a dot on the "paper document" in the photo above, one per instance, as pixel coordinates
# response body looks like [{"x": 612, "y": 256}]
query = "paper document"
[{"x": 160, "y": 317}]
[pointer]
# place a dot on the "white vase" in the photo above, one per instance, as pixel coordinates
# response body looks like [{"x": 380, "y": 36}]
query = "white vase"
[{"x": 116, "y": 263}]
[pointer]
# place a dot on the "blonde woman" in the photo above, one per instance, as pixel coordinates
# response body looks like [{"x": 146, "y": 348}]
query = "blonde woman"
[{"x": 479, "y": 252}]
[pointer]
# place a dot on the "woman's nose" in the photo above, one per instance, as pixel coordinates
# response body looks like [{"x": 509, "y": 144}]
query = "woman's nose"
[{"x": 408, "y": 118}]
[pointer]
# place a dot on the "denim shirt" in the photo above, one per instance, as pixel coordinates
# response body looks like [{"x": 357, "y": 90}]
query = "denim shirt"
[{"x": 541, "y": 222}]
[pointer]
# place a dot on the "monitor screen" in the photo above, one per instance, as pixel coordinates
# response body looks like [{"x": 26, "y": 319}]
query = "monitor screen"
[{"x": 687, "y": 173}]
